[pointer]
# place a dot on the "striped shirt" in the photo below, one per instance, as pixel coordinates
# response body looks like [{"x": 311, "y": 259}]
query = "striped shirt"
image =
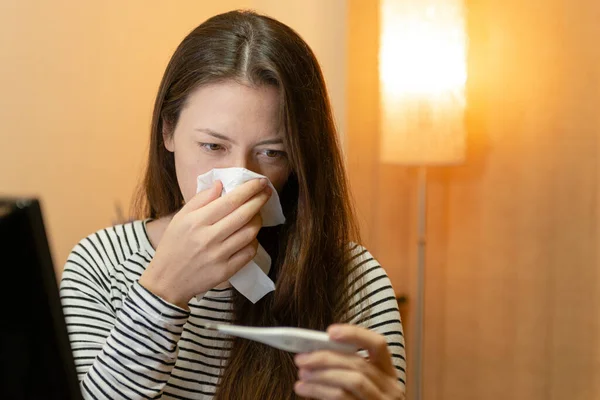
[{"x": 130, "y": 344}]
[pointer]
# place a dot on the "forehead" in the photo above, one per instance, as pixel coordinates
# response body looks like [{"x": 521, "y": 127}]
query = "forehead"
[{"x": 233, "y": 106}]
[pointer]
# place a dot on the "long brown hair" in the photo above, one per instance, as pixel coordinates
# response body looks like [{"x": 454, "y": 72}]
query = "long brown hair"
[{"x": 311, "y": 252}]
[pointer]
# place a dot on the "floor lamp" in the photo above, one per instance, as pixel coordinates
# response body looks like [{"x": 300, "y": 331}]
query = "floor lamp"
[{"x": 422, "y": 71}]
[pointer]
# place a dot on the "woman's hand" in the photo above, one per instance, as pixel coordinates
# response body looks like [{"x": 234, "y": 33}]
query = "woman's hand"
[
  {"x": 207, "y": 242},
  {"x": 332, "y": 375}
]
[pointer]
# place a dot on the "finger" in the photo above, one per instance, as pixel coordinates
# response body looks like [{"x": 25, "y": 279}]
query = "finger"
[
  {"x": 321, "y": 360},
  {"x": 203, "y": 197},
  {"x": 318, "y": 391},
  {"x": 351, "y": 381},
  {"x": 257, "y": 220},
  {"x": 223, "y": 232},
  {"x": 224, "y": 206},
  {"x": 240, "y": 217},
  {"x": 374, "y": 343},
  {"x": 239, "y": 259},
  {"x": 240, "y": 239}
]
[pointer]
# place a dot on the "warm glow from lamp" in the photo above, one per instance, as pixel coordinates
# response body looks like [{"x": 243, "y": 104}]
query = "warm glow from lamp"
[{"x": 422, "y": 69}]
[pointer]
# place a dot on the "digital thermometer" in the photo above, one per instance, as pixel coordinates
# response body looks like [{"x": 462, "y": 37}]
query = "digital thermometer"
[{"x": 294, "y": 340}]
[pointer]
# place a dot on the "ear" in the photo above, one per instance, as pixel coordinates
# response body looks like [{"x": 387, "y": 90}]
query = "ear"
[{"x": 167, "y": 134}]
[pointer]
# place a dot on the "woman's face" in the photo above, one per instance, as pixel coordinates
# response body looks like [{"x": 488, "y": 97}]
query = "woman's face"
[{"x": 226, "y": 125}]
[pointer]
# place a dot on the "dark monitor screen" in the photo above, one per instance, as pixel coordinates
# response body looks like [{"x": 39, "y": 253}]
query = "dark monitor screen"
[{"x": 35, "y": 355}]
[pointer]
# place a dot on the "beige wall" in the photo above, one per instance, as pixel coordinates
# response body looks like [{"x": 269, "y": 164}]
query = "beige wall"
[
  {"x": 78, "y": 82},
  {"x": 512, "y": 274},
  {"x": 323, "y": 24}
]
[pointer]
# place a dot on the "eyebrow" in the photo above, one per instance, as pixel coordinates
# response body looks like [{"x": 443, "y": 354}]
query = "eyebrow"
[
  {"x": 215, "y": 134},
  {"x": 228, "y": 139}
]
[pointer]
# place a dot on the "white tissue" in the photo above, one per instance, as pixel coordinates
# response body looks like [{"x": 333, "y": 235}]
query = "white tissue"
[{"x": 252, "y": 280}]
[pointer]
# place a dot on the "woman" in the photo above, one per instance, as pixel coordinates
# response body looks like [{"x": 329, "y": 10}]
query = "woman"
[{"x": 241, "y": 90}]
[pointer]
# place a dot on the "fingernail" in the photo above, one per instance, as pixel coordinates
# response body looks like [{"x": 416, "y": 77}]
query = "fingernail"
[
  {"x": 263, "y": 182},
  {"x": 304, "y": 374},
  {"x": 268, "y": 190},
  {"x": 334, "y": 332},
  {"x": 300, "y": 358}
]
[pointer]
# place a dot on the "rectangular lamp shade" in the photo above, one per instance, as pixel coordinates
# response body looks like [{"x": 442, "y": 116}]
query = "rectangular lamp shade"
[{"x": 422, "y": 73}]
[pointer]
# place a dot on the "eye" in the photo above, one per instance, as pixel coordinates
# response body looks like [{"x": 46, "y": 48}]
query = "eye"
[
  {"x": 211, "y": 146},
  {"x": 273, "y": 153}
]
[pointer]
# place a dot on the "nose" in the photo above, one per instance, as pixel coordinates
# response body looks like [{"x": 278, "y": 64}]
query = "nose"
[{"x": 247, "y": 162}]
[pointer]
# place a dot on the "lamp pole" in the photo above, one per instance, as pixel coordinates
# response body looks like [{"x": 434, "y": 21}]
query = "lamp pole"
[{"x": 417, "y": 381}]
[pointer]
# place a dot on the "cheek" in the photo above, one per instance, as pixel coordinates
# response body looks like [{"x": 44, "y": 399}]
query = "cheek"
[
  {"x": 188, "y": 167},
  {"x": 278, "y": 179}
]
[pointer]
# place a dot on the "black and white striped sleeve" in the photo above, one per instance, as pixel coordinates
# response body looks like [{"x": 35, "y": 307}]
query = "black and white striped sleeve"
[
  {"x": 374, "y": 306},
  {"x": 127, "y": 353}
]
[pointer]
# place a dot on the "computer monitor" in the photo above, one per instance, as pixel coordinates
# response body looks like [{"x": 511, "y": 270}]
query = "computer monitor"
[{"x": 35, "y": 354}]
